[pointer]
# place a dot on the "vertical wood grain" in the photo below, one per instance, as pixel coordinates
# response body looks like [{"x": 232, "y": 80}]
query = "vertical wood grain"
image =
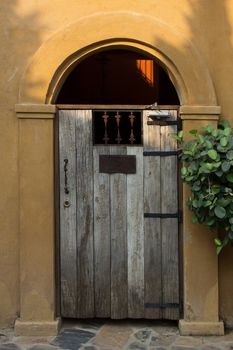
[
  {"x": 135, "y": 236},
  {"x": 84, "y": 210},
  {"x": 119, "y": 287},
  {"x": 68, "y": 262},
  {"x": 169, "y": 227},
  {"x": 152, "y": 229},
  {"x": 102, "y": 257},
  {"x": 114, "y": 262}
]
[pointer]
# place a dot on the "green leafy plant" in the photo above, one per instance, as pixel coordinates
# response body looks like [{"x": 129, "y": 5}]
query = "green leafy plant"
[{"x": 208, "y": 168}]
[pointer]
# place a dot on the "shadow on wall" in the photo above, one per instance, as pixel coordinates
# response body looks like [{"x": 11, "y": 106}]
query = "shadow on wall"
[
  {"x": 216, "y": 47},
  {"x": 19, "y": 37},
  {"x": 210, "y": 31}
]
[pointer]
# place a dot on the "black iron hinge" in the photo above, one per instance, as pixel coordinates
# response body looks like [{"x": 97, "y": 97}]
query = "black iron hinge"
[{"x": 162, "y": 306}]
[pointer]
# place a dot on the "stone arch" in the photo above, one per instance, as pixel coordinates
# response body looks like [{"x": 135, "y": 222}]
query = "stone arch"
[{"x": 56, "y": 57}]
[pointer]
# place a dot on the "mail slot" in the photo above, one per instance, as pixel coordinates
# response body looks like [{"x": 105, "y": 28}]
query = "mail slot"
[{"x": 111, "y": 164}]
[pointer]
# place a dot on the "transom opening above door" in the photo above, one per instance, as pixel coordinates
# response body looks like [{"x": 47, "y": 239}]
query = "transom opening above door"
[
  {"x": 117, "y": 127},
  {"x": 118, "y": 76}
]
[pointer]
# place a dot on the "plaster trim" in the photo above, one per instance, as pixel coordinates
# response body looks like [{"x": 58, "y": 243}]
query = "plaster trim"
[
  {"x": 30, "y": 328},
  {"x": 199, "y": 117},
  {"x": 35, "y": 115},
  {"x": 213, "y": 110},
  {"x": 201, "y": 328},
  {"x": 35, "y": 108}
]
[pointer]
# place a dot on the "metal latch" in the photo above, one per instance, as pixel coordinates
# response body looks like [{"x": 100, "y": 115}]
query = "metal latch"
[{"x": 159, "y": 117}]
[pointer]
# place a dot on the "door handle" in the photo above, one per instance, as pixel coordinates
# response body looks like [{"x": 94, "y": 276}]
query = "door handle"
[{"x": 66, "y": 179}]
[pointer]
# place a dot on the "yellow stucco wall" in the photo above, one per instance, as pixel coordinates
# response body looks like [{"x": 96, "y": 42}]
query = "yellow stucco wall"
[{"x": 206, "y": 25}]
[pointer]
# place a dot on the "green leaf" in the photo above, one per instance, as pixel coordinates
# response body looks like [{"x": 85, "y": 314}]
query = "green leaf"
[
  {"x": 180, "y": 134},
  {"x": 193, "y": 132},
  {"x": 227, "y": 131},
  {"x": 225, "y": 166},
  {"x": 230, "y": 177},
  {"x": 209, "y": 144},
  {"x": 184, "y": 170},
  {"x": 200, "y": 138},
  {"x": 188, "y": 152},
  {"x": 229, "y": 155},
  {"x": 195, "y": 203},
  {"x": 217, "y": 165},
  {"x": 212, "y": 154},
  {"x": 194, "y": 220},
  {"x": 225, "y": 241},
  {"x": 219, "y": 173},
  {"x": 217, "y": 242},
  {"x": 231, "y": 221},
  {"x": 218, "y": 249},
  {"x": 224, "y": 123},
  {"x": 209, "y": 166},
  {"x": 193, "y": 166},
  {"x": 210, "y": 221},
  {"x": 228, "y": 190},
  {"x": 223, "y": 141},
  {"x": 189, "y": 178},
  {"x": 223, "y": 202},
  {"x": 207, "y": 203},
  {"x": 204, "y": 170},
  {"x": 220, "y": 212},
  {"x": 209, "y": 129},
  {"x": 176, "y": 137},
  {"x": 215, "y": 133},
  {"x": 196, "y": 187}
]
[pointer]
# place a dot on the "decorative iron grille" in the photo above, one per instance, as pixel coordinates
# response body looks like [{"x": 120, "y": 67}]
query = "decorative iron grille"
[{"x": 117, "y": 127}]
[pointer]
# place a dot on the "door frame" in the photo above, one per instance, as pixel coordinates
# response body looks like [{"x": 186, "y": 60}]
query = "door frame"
[
  {"x": 57, "y": 192},
  {"x": 37, "y": 236}
]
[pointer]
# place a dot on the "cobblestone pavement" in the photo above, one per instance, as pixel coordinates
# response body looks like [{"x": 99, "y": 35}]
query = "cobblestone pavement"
[{"x": 116, "y": 335}]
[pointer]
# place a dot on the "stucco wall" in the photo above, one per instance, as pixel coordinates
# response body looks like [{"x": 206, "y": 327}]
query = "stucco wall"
[{"x": 26, "y": 25}]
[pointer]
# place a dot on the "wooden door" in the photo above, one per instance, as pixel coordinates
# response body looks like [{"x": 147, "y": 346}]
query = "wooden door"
[{"x": 119, "y": 253}]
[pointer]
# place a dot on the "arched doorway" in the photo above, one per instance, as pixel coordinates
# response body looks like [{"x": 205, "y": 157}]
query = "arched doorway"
[
  {"x": 119, "y": 205},
  {"x": 36, "y": 113}
]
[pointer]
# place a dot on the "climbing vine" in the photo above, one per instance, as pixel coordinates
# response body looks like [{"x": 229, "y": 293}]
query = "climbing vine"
[{"x": 208, "y": 169}]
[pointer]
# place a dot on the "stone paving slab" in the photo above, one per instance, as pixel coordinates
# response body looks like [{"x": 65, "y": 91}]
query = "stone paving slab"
[
  {"x": 116, "y": 335},
  {"x": 72, "y": 339}
]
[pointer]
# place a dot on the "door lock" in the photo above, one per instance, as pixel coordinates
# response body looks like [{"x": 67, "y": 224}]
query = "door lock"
[{"x": 66, "y": 204}]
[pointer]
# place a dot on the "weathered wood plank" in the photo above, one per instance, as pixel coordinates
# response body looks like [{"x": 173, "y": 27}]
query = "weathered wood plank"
[
  {"x": 135, "y": 236},
  {"x": 119, "y": 288},
  {"x": 152, "y": 231},
  {"x": 102, "y": 234},
  {"x": 169, "y": 227},
  {"x": 68, "y": 265},
  {"x": 84, "y": 181},
  {"x": 153, "y": 293},
  {"x": 170, "y": 267}
]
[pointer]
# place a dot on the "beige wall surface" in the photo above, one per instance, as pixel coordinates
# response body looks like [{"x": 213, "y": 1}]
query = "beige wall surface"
[{"x": 26, "y": 25}]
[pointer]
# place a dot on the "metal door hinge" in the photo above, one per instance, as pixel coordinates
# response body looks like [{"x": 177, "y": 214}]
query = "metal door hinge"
[{"x": 162, "y": 306}]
